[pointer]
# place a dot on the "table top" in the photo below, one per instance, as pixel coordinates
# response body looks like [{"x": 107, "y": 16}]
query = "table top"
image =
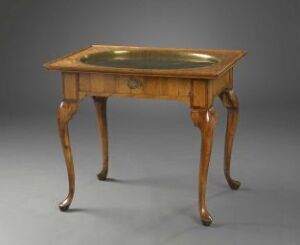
[{"x": 148, "y": 61}]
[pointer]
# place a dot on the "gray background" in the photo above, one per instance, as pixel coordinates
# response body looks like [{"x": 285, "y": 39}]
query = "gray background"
[{"x": 152, "y": 198}]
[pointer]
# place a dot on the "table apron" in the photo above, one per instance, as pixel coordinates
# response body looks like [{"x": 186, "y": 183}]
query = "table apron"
[{"x": 194, "y": 92}]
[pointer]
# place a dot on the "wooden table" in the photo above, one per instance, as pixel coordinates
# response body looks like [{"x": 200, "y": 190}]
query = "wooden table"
[{"x": 195, "y": 85}]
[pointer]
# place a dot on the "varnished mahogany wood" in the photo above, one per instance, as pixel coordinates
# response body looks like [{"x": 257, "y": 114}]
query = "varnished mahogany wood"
[
  {"x": 230, "y": 101},
  {"x": 65, "y": 113},
  {"x": 197, "y": 87},
  {"x": 206, "y": 121},
  {"x": 100, "y": 104}
]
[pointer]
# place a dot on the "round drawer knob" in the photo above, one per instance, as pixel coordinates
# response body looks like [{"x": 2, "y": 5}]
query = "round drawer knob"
[{"x": 133, "y": 83}]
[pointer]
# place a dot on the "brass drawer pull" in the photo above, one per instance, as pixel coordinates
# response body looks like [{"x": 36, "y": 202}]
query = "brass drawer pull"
[{"x": 134, "y": 84}]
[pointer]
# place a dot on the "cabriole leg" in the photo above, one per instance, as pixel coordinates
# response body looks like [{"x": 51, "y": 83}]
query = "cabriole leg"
[
  {"x": 206, "y": 121},
  {"x": 65, "y": 113},
  {"x": 230, "y": 101},
  {"x": 100, "y": 104}
]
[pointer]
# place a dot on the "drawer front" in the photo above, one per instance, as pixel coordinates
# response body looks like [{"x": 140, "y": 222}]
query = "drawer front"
[{"x": 134, "y": 86}]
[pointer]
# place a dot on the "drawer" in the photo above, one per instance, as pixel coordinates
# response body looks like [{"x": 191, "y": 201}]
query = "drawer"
[{"x": 134, "y": 86}]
